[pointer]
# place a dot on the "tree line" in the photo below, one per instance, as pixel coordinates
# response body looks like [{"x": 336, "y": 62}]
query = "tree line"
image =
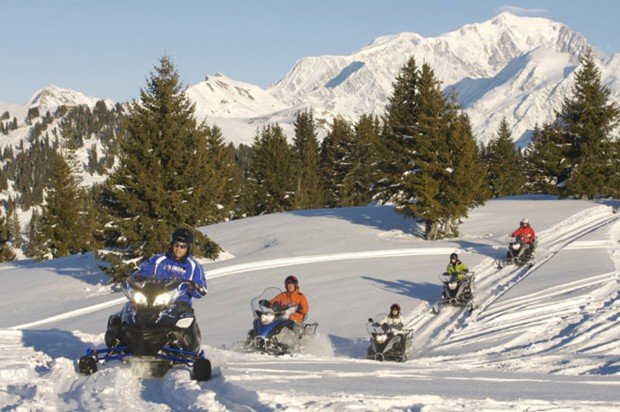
[{"x": 421, "y": 156}]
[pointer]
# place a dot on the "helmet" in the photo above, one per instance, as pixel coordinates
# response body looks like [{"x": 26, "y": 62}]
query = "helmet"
[
  {"x": 291, "y": 279},
  {"x": 525, "y": 221},
  {"x": 454, "y": 256},
  {"x": 182, "y": 235},
  {"x": 395, "y": 306}
]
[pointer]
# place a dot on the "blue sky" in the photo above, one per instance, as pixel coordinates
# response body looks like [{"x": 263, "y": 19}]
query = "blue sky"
[{"x": 106, "y": 48}]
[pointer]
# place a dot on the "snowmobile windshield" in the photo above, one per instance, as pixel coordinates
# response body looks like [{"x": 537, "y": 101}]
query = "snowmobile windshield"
[
  {"x": 447, "y": 277},
  {"x": 377, "y": 325},
  {"x": 260, "y": 305}
]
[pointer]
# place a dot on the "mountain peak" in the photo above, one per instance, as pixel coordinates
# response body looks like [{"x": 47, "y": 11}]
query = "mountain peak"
[{"x": 52, "y": 97}]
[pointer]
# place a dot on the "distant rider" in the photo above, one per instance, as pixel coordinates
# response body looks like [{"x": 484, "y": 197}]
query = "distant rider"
[
  {"x": 394, "y": 319},
  {"x": 456, "y": 267},
  {"x": 292, "y": 297},
  {"x": 525, "y": 235}
]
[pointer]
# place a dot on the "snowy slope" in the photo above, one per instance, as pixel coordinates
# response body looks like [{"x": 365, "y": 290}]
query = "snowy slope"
[{"x": 543, "y": 338}]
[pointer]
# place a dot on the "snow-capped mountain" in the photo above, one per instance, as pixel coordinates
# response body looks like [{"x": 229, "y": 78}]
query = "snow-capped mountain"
[
  {"x": 52, "y": 97},
  {"x": 512, "y": 66}
]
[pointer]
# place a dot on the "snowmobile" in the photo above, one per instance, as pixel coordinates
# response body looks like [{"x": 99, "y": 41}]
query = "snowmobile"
[
  {"x": 456, "y": 293},
  {"x": 152, "y": 329},
  {"x": 517, "y": 255},
  {"x": 272, "y": 331},
  {"x": 387, "y": 342}
]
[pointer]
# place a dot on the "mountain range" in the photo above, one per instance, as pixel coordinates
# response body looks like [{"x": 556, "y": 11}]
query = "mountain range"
[{"x": 510, "y": 66}]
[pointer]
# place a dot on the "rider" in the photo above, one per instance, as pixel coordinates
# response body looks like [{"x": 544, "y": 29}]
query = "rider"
[
  {"x": 177, "y": 263},
  {"x": 394, "y": 319},
  {"x": 526, "y": 236},
  {"x": 292, "y": 297},
  {"x": 459, "y": 270},
  {"x": 456, "y": 267}
]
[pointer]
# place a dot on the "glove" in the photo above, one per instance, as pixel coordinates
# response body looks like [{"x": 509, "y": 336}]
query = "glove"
[
  {"x": 385, "y": 326},
  {"x": 200, "y": 289},
  {"x": 299, "y": 309},
  {"x": 265, "y": 303}
]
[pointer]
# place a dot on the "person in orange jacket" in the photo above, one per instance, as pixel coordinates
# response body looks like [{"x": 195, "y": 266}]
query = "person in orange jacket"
[
  {"x": 526, "y": 236},
  {"x": 292, "y": 297}
]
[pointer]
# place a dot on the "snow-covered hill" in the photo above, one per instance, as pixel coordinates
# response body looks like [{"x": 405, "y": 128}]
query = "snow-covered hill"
[{"x": 542, "y": 338}]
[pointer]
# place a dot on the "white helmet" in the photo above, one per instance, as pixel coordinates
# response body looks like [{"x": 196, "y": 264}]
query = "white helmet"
[{"x": 525, "y": 221}]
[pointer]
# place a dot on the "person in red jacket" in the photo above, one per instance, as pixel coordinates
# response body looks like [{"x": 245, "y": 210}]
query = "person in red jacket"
[
  {"x": 292, "y": 297},
  {"x": 526, "y": 236}
]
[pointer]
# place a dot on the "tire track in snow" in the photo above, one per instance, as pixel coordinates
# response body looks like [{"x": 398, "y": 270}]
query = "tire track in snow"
[
  {"x": 248, "y": 267},
  {"x": 437, "y": 329}
]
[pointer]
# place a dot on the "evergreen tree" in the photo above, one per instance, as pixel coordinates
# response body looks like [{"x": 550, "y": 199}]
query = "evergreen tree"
[
  {"x": 36, "y": 243},
  {"x": 308, "y": 193},
  {"x": 271, "y": 170},
  {"x": 545, "y": 160},
  {"x": 400, "y": 124},
  {"x": 15, "y": 227},
  {"x": 6, "y": 253},
  {"x": 162, "y": 180},
  {"x": 587, "y": 119},
  {"x": 433, "y": 172},
  {"x": 505, "y": 168},
  {"x": 336, "y": 160},
  {"x": 364, "y": 153},
  {"x": 226, "y": 181},
  {"x": 61, "y": 224}
]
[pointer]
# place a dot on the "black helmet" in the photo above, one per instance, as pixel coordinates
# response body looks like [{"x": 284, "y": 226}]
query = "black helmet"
[
  {"x": 395, "y": 306},
  {"x": 182, "y": 235},
  {"x": 454, "y": 256},
  {"x": 291, "y": 279}
]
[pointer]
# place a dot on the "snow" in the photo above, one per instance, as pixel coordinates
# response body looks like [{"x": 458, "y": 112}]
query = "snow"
[{"x": 542, "y": 338}]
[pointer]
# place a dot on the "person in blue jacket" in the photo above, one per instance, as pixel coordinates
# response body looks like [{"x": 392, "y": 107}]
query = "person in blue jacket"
[{"x": 177, "y": 262}]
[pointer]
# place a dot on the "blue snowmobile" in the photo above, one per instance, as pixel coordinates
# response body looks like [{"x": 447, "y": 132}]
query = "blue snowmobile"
[
  {"x": 153, "y": 327},
  {"x": 272, "y": 331}
]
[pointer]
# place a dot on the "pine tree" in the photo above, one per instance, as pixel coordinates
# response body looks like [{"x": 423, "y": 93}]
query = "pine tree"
[
  {"x": 433, "y": 173},
  {"x": 6, "y": 253},
  {"x": 162, "y": 180},
  {"x": 15, "y": 227},
  {"x": 271, "y": 169},
  {"x": 308, "y": 193},
  {"x": 587, "y": 119},
  {"x": 226, "y": 181},
  {"x": 60, "y": 220},
  {"x": 400, "y": 123},
  {"x": 505, "y": 168},
  {"x": 545, "y": 160},
  {"x": 364, "y": 153},
  {"x": 36, "y": 243},
  {"x": 336, "y": 160}
]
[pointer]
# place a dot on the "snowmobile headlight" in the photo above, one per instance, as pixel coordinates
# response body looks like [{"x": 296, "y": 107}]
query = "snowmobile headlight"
[
  {"x": 163, "y": 299},
  {"x": 516, "y": 246},
  {"x": 184, "y": 323},
  {"x": 452, "y": 285},
  {"x": 139, "y": 298},
  {"x": 267, "y": 318},
  {"x": 381, "y": 338}
]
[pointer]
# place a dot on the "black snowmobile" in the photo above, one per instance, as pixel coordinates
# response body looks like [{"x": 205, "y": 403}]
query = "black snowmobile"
[
  {"x": 387, "y": 342},
  {"x": 153, "y": 328},
  {"x": 272, "y": 331},
  {"x": 518, "y": 255},
  {"x": 456, "y": 293}
]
